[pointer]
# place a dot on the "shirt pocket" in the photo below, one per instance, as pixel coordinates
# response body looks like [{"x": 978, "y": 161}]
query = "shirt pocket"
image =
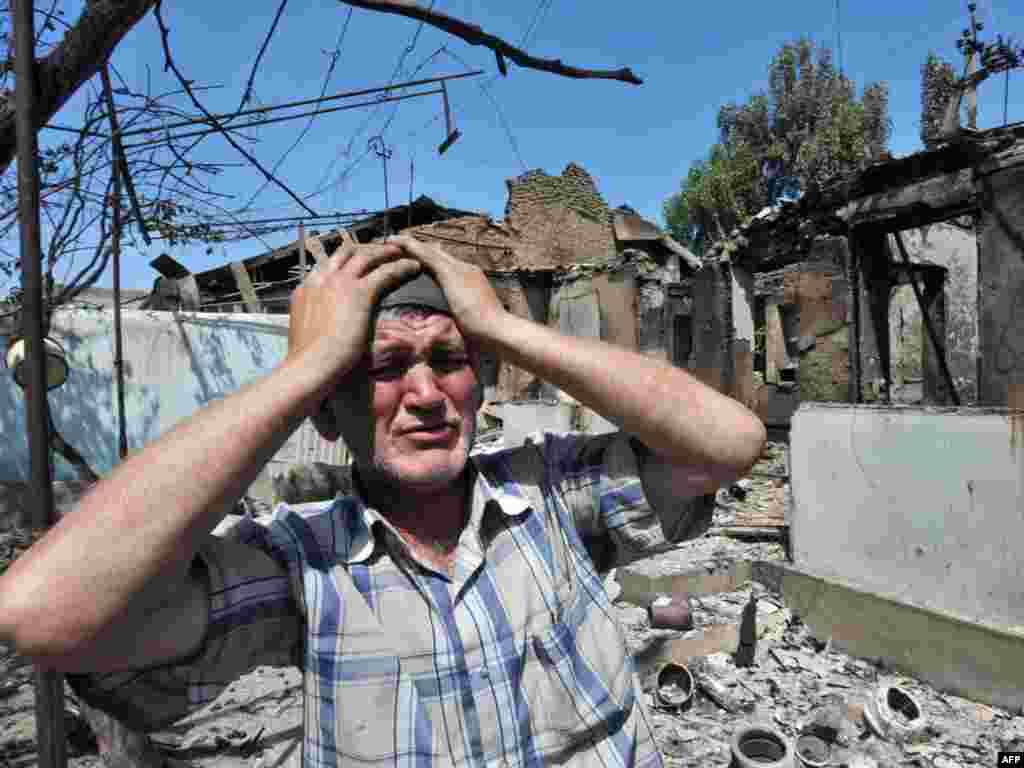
[
  {"x": 351, "y": 709},
  {"x": 575, "y": 695}
]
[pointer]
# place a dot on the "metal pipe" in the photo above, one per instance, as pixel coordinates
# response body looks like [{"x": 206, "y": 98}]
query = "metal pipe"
[
  {"x": 272, "y": 120},
  {"x": 933, "y": 335},
  {"x": 115, "y": 234},
  {"x": 119, "y": 166},
  {"x": 304, "y": 102},
  {"x": 49, "y": 685}
]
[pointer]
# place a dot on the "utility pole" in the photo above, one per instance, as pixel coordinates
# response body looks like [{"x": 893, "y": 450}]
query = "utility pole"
[
  {"x": 969, "y": 46},
  {"x": 384, "y": 153}
]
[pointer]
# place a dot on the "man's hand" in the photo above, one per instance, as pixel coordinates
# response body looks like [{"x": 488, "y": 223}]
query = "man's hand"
[
  {"x": 331, "y": 311},
  {"x": 477, "y": 310}
]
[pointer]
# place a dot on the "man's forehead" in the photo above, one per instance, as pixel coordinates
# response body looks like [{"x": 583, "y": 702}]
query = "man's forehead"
[{"x": 416, "y": 328}]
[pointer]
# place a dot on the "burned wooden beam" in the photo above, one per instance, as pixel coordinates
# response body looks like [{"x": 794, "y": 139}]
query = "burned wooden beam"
[
  {"x": 935, "y": 199},
  {"x": 245, "y": 287}
]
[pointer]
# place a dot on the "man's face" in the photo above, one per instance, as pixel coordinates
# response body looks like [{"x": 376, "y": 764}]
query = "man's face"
[{"x": 409, "y": 410}]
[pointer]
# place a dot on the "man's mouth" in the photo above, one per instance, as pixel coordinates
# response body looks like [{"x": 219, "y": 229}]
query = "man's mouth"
[{"x": 440, "y": 430}]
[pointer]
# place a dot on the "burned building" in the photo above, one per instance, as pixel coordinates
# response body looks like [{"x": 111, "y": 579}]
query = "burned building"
[
  {"x": 561, "y": 256},
  {"x": 897, "y": 284},
  {"x": 263, "y": 283}
]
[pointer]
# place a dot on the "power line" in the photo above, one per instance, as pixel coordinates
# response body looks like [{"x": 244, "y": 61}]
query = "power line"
[
  {"x": 335, "y": 55},
  {"x": 499, "y": 112},
  {"x": 334, "y": 184},
  {"x": 839, "y": 35},
  {"x": 319, "y": 219},
  {"x": 361, "y": 130},
  {"x": 542, "y": 11}
]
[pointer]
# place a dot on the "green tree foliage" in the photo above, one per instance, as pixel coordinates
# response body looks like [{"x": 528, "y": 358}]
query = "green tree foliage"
[
  {"x": 677, "y": 208},
  {"x": 810, "y": 122}
]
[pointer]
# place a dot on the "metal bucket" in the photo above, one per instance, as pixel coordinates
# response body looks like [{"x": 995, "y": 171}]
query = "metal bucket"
[
  {"x": 760, "y": 746},
  {"x": 813, "y": 751},
  {"x": 675, "y": 686}
]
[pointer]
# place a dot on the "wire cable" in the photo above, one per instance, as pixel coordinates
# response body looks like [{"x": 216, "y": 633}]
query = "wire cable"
[
  {"x": 361, "y": 130},
  {"x": 498, "y": 110},
  {"x": 336, "y": 54}
]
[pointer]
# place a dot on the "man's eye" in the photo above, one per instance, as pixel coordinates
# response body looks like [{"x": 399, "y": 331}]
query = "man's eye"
[
  {"x": 387, "y": 370},
  {"x": 450, "y": 362}
]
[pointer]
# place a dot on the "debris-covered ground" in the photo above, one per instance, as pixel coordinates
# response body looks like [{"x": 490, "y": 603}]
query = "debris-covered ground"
[{"x": 795, "y": 683}]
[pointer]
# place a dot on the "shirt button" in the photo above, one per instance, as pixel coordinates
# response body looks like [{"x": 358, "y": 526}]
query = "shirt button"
[{"x": 485, "y": 675}]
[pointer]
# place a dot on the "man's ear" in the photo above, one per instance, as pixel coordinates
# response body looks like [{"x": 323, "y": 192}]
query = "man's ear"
[{"x": 326, "y": 421}]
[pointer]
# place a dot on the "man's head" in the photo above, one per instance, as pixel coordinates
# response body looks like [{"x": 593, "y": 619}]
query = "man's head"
[{"x": 408, "y": 410}]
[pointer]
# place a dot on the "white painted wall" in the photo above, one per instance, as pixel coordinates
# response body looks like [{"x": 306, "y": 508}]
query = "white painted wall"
[
  {"x": 924, "y": 504},
  {"x": 175, "y": 363}
]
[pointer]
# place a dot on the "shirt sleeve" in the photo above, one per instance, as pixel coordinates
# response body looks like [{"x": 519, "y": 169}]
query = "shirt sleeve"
[
  {"x": 599, "y": 478},
  {"x": 253, "y": 621}
]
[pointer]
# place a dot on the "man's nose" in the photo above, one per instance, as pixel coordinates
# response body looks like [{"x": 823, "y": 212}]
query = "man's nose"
[{"x": 422, "y": 391}]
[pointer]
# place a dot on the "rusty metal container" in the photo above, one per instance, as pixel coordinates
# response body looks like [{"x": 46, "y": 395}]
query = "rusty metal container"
[{"x": 671, "y": 612}]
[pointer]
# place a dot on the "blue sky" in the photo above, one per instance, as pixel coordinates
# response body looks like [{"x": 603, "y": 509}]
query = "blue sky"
[{"x": 638, "y": 142}]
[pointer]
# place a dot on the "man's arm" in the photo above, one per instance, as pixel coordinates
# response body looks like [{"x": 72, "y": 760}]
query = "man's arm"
[
  {"x": 102, "y": 577},
  {"x": 698, "y": 438},
  {"x": 109, "y": 573}
]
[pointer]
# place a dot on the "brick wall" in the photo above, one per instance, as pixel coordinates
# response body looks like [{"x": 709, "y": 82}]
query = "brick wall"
[
  {"x": 814, "y": 295},
  {"x": 479, "y": 240},
  {"x": 563, "y": 219}
]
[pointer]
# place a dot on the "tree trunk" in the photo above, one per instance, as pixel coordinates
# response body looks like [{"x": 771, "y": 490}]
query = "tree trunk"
[{"x": 119, "y": 745}]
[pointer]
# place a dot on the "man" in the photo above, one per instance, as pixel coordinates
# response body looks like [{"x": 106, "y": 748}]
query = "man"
[{"x": 444, "y": 611}]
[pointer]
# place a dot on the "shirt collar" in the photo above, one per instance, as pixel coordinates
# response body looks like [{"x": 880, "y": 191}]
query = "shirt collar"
[{"x": 363, "y": 519}]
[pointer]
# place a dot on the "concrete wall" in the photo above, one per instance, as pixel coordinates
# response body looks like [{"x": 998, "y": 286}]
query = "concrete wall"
[
  {"x": 174, "y": 365},
  {"x": 921, "y": 503}
]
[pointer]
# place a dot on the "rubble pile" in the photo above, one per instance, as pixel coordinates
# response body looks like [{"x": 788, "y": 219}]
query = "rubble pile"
[{"x": 799, "y": 685}]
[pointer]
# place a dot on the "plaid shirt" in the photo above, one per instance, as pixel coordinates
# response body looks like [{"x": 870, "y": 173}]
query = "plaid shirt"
[{"x": 515, "y": 660}]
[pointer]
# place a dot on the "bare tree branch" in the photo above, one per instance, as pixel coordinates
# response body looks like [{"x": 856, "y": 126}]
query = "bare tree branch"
[
  {"x": 104, "y": 23},
  {"x": 474, "y": 35},
  {"x": 81, "y": 53},
  {"x": 247, "y": 94},
  {"x": 164, "y": 33},
  {"x": 117, "y": 150}
]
